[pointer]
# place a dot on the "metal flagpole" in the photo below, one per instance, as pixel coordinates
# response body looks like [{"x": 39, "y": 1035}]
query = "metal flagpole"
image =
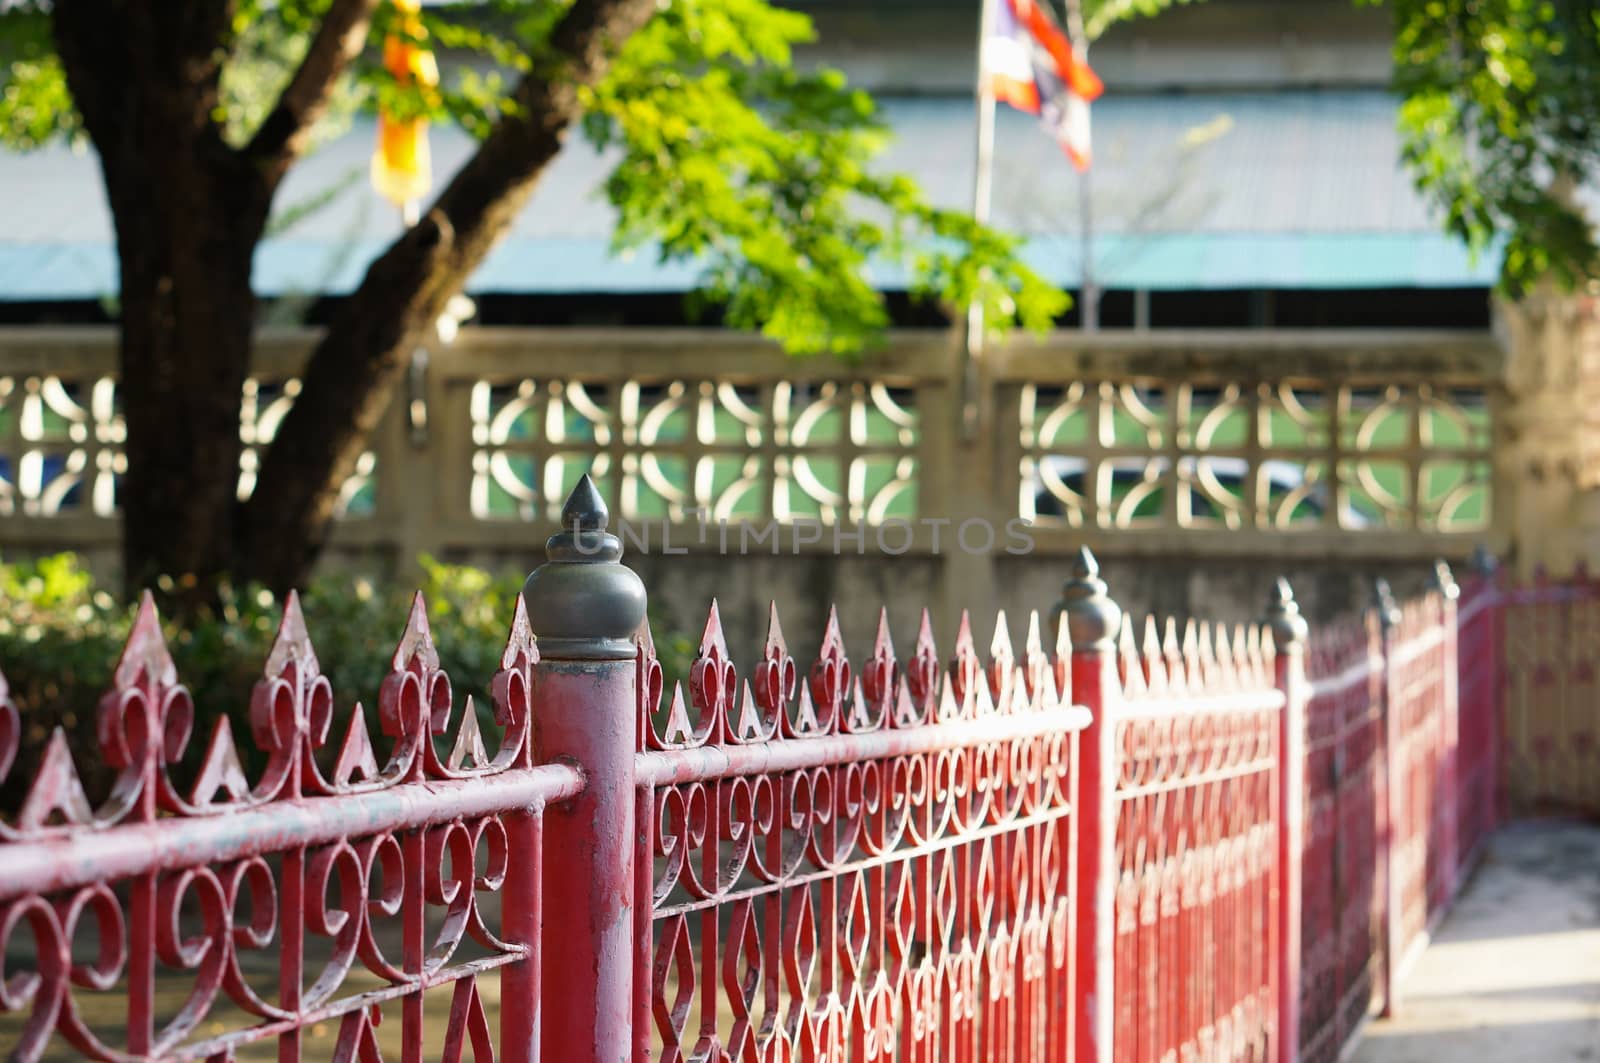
[
  {"x": 982, "y": 182},
  {"x": 1089, "y": 291}
]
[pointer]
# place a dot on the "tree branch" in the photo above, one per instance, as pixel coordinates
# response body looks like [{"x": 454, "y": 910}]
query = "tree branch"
[
  {"x": 347, "y": 382},
  {"x": 89, "y": 36},
  {"x": 286, "y": 131}
]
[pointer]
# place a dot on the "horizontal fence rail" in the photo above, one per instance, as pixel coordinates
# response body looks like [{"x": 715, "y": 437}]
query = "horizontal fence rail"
[
  {"x": 1121, "y": 843},
  {"x": 1319, "y": 442}
]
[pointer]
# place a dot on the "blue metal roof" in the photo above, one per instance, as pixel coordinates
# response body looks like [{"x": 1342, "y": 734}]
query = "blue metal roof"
[{"x": 1282, "y": 190}]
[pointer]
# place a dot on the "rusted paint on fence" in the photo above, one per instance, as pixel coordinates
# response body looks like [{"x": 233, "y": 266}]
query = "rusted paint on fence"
[
  {"x": 586, "y": 608},
  {"x": 1218, "y": 845},
  {"x": 326, "y": 845}
]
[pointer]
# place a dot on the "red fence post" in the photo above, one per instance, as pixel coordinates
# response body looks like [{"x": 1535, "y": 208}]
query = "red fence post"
[
  {"x": 1092, "y": 620},
  {"x": 1388, "y": 616},
  {"x": 1289, "y": 632},
  {"x": 1443, "y": 584},
  {"x": 585, "y": 608}
]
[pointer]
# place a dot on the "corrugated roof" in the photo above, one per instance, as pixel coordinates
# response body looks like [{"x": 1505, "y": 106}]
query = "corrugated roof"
[{"x": 1281, "y": 190}]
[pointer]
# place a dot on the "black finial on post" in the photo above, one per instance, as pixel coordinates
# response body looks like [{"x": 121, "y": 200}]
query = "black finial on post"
[
  {"x": 1484, "y": 564},
  {"x": 583, "y": 603},
  {"x": 1283, "y": 617},
  {"x": 1093, "y": 618},
  {"x": 1384, "y": 605}
]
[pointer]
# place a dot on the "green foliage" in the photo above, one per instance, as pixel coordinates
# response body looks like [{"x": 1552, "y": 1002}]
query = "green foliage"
[
  {"x": 1099, "y": 15},
  {"x": 35, "y": 105},
  {"x": 60, "y": 636},
  {"x": 728, "y": 157},
  {"x": 733, "y": 159},
  {"x": 1501, "y": 123}
]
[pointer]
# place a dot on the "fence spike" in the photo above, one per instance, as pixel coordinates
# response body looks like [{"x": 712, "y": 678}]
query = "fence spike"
[
  {"x": 1063, "y": 635},
  {"x": 1255, "y": 649},
  {"x": 1155, "y": 669},
  {"x": 1207, "y": 656},
  {"x": 221, "y": 769},
  {"x": 521, "y": 648},
  {"x": 829, "y": 685},
  {"x": 292, "y": 643},
  {"x": 1443, "y": 582},
  {"x": 356, "y": 761},
  {"x": 878, "y": 681},
  {"x": 416, "y": 641},
  {"x": 1001, "y": 643},
  {"x": 1036, "y": 663},
  {"x": 1223, "y": 660},
  {"x": 56, "y": 788},
  {"x": 923, "y": 675},
  {"x": 1191, "y": 654},
  {"x": 144, "y": 654},
  {"x": 775, "y": 646},
  {"x": 1133, "y": 681},
  {"x": 468, "y": 745},
  {"x": 964, "y": 663},
  {"x": 1241, "y": 653},
  {"x": 1177, "y": 673},
  {"x": 711, "y": 636}
]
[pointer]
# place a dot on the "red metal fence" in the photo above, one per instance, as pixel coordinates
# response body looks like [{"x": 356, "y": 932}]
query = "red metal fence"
[
  {"x": 359, "y": 887},
  {"x": 1197, "y": 814},
  {"x": 1546, "y": 633},
  {"x": 1213, "y": 846}
]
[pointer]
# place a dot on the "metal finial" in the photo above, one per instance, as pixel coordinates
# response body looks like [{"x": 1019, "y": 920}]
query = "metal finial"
[
  {"x": 583, "y": 603},
  {"x": 1283, "y": 617},
  {"x": 585, "y": 510},
  {"x": 1383, "y": 602},
  {"x": 1084, "y": 566},
  {"x": 1484, "y": 562},
  {"x": 1442, "y": 580},
  {"x": 1092, "y": 617}
]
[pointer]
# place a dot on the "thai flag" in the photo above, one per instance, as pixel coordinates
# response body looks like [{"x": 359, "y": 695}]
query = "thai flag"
[{"x": 1030, "y": 64}]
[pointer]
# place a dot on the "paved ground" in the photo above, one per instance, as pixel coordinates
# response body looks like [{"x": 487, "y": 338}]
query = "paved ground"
[{"x": 1514, "y": 974}]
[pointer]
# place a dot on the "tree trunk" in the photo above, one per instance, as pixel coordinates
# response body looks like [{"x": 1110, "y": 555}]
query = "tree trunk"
[
  {"x": 188, "y": 211},
  {"x": 187, "y": 318},
  {"x": 349, "y": 379}
]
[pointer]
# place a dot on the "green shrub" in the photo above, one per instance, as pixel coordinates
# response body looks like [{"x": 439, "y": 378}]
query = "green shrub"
[{"x": 60, "y": 636}]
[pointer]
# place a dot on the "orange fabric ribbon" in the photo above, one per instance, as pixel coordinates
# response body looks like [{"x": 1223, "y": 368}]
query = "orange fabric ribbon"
[{"x": 402, "y": 171}]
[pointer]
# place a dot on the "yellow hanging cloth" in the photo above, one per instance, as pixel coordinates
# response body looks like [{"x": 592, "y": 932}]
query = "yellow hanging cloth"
[{"x": 401, "y": 170}]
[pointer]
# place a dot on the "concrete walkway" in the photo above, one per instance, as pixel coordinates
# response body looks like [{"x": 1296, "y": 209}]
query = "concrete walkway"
[{"x": 1513, "y": 975}]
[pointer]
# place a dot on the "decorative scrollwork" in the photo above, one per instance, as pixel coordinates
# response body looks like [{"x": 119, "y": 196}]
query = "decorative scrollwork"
[
  {"x": 862, "y": 905},
  {"x": 392, "y": 899}
]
